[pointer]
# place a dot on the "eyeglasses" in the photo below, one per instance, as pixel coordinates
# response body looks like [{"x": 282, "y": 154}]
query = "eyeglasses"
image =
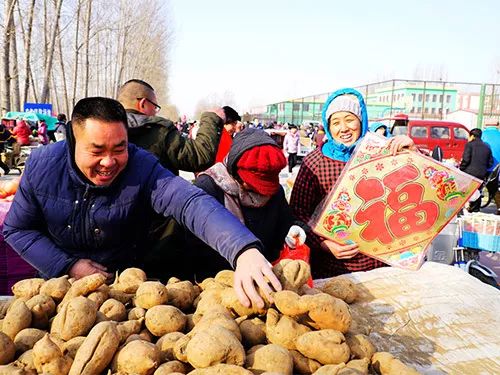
[{"x": 157, "y": 107}]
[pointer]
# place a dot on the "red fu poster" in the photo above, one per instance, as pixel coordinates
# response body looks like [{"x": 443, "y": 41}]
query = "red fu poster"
[{"x": 392, "y": 206}]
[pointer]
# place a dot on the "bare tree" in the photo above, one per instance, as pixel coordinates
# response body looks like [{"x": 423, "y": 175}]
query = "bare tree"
[
  {"x": 50, "y": 54},
  {"x": 8, "y": 24},
  {"x": 15, "y": 94},
  {"x": 87, "y": 46},
  {"x": 27, "y": 50}
]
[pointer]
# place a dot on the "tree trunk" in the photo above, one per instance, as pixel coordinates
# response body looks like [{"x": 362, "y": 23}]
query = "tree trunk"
[
  {"x": 87, "y": 43},
  {"x": 63, "y": 76},
  {"x": 16, "y": 96},
  {"x": 77, "y": 51},
  {"x": 50, "y": 54},
  {"x": 27, "y": 52},
  {"x": 8, "y": 15}
]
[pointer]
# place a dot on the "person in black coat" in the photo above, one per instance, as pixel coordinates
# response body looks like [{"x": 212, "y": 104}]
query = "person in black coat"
[
  {"x": 247, "y": 184},
  {"x": 476, "y": 160}
]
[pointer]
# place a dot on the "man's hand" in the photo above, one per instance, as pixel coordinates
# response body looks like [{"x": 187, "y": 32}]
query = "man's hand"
[
  {"x": 85, "y": 267},
  {"x": 399, "y": 142},
  {"x": 340, "y": 251},
  {"x": 252, "y": 268}
]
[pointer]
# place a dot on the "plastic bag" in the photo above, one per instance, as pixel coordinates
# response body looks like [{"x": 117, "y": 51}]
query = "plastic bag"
[{"x": 301, "y": 252}]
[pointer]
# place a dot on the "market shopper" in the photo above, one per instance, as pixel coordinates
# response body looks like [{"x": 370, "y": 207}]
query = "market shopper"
[
  {"x": 22, "y": 133},
  {"x": 291, "y": 146},
  {"x": 230, "y": 128},
  {"x": 247, "y": 184},
  {"x": 161, "y": 137},
  {"x": 90, "y": 212},
  {"x": 476, "y": 160},
  {"x": 380, "y": 128},
  {"x": 43, "y": 137},
  {"x": 345, "y": 122}
]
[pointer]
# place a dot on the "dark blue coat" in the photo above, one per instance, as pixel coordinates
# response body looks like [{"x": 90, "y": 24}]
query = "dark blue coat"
[{"x": 58, "y": 217}]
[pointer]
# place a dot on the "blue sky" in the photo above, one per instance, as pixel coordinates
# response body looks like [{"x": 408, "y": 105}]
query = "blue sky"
[{"x": 259, "y": 52}]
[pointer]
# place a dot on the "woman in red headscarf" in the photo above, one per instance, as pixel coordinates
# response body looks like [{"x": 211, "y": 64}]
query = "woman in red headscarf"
[{"x": 247, "y": 184}]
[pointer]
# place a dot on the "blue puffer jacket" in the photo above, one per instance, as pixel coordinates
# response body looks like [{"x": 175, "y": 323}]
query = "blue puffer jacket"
[{"x": 58, "y": 217}]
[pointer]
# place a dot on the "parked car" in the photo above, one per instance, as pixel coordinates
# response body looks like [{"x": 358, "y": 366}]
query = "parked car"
[{"x": 427, "y": 134}]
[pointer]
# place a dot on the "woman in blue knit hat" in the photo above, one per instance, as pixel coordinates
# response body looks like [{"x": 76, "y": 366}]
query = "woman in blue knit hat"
[{"x": 345, "y": 121}]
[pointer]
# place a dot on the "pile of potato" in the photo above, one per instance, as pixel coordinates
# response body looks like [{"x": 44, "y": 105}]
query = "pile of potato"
[{"x": 135, "y": 326}]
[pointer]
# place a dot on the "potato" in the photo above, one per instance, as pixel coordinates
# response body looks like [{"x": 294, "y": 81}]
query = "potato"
[
  {"x": 253, "y": 332},
  {"x": 43, "y": 308},
  {"x": 129, "y": 280},
  {"x": 163, "y": 319},
  {"x": 26, "y": 361},
  {"x": 75, "y": 319},
  {"x": 302, "y": 364},
  {"x": 181, "y": 294},
  {"x": 189, "y": 323},
  {"x": 292, "y": 274},
  {"x": 166, "y": 345},
  {"x": 171, "y": 367},
  {"x": 328, "y": 312},
  {"x": 97, "y": 350},
  {"x": 130, "y": 327},
  {"x": 4, "y": 306},
  {"x": 12, "y": 369},
  {"x": 84, "y": 286},
  {"x": 384, "y": 363},
  {"x": 18, "y": 318},
  {"x": 360, "y": 345},
  {"x": 326, "y": 346},
  {"x": 225, "y": 278},
  {"x": 221, "y": 369},
  {"x": 114, "y": 310},
  {"x": 220, "y": 316},
  {"x": 212, "y": 346},
  {"x": 341, "y": 287},
  {"x": 48, "y": 358},
  {"x": 27, "y": 288},
  {"x": 151, "y": 293},
  {"x": 123, "y": 297},
  {"x": 272, "y": 358},
  {"x": 136, "y": 313},
  {"x": 71, "y": 347},
  {"x": 100, "y": 317},
  {"x": 283, "y": 330},
  {"x": 100, "y": 295},
  {"x": 56, "y": 288},
  {"x": 7, "y": 349},
  {"x": 356, "y": 367},
  {"x": 137, "y": 357},
  {"x": 229, "y": 300},
  {"x": 27, "y": 338}
]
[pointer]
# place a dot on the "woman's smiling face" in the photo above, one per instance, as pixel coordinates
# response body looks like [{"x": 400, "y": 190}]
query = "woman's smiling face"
[{"x": 345, "y": 127}]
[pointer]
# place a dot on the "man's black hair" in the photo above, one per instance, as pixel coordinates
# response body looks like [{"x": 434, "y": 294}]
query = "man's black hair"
[
  {"x": 61, "y": 117},
  {"x": 139, "y": 81},
  {"x": 477, "y": 133},
  {"x": 231, "y": 115},
  {"x": 98, "y": 108}
]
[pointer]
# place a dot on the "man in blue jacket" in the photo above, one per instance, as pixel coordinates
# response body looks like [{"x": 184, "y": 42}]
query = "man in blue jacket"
[{"x": 84, "y": 206}]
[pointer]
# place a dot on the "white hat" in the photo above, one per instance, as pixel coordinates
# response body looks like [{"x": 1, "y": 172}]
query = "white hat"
[{"x": 344, "y": 103}]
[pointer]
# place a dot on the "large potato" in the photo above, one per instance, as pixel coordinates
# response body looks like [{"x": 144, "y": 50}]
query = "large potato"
[
  {"x": 302, "y": 364},
  {"x": 97, "y": 350},
  {"x": 171, "y": 367},
  {"x": 385, "y": 363},
  {"x": 84, "y": 286},
  {"x": 18, "y": 318},
  {"x": 27, "y": 288},
  {"x": 7, "y": 349},
  {"x": 163, "y": 319},
  {"x": 181, "y": 294},
  {"x": 71, "y": 347},
  {"x": 326, "y": 346},
  {"x": 114, "y": 310},
  {"x": 253, "y": 332},
  {"x": 166, "y": 345},
  {"x": 137, "y": 357},
  {"x": 151, "y": 293},
  {"x": 27, "y": 338},
  {"x": 129, "y": 280},
  {"x": 43, "y": 308},
  {"x": 49, "y": 359},
  {"x": 56, "y": 288},
  {"x": 128, "y": 328},
  {"x": 222, "y": 369},
  {"x": 283, "y": 330},
  {"x": 292, "y": 274},
  {"x": 271, "y": 358},
  {"x": 75, "y": 319},
  {"x": 214, "y": 345},
  {"x": 360, "y": 345},
  {"x": 341, "y": 287},
  {"x": 136, "y": 313}
]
